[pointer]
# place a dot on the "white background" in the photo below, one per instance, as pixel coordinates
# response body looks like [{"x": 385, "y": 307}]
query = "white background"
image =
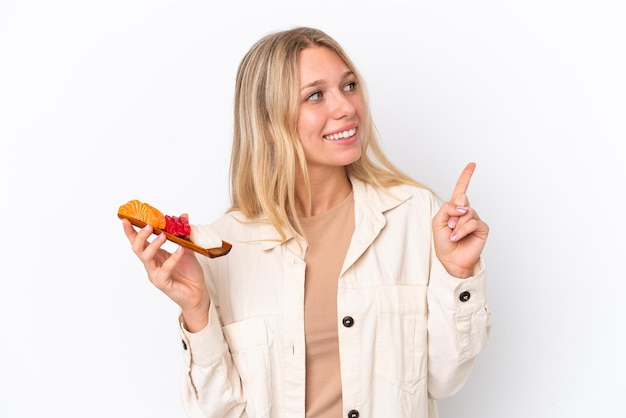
[{"x": 103, "y": 102}]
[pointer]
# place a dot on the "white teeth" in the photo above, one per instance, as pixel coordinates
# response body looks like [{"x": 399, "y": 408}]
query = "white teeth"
[{"x": 341, "y": 135}]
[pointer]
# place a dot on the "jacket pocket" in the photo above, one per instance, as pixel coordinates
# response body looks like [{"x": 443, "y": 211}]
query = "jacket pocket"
[
  {"x": 401, "y": 336},
  {"x": 248, "y": 345}
]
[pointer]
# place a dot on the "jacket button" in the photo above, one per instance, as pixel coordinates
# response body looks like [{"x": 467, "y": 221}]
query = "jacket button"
[
  {"x": 464, "y": 296},
  {"x": 347, "y": 321},
  {"x": 353, "y": 414},
  {"x": 184, "y": 344}
]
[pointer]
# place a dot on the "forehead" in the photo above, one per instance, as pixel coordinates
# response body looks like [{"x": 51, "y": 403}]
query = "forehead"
[{"x": 320, "y": 64}]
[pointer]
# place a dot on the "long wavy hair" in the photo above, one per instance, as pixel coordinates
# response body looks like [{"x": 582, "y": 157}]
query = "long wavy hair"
[{"x": 266, "y": 151}]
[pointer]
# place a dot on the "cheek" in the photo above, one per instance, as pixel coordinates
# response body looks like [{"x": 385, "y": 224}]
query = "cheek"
[
  {"x": 308, "y": 124},
  {"x": 359, "y": 108}
]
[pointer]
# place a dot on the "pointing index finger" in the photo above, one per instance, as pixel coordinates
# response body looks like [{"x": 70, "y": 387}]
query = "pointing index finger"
[{"x": 458, "y": 195}]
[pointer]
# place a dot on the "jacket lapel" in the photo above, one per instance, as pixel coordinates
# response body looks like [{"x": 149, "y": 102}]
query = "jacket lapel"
[{"x": 370, "y": 205}]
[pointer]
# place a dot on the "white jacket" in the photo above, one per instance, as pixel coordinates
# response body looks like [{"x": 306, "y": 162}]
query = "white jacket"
[{"x": 411, "y": 335}]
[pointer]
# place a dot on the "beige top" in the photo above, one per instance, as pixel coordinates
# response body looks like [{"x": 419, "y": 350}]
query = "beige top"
[{"x": 328, "y": 236}]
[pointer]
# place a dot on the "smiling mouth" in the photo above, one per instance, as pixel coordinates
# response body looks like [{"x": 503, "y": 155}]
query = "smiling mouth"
[{"x": 340, "y": 135}]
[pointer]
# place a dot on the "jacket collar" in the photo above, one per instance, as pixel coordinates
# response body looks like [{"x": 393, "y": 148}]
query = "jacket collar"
[
  {"x": 370, "y": 203},
  {"x": 374, "y": 202},
  {"x": 370, "y": 206}
]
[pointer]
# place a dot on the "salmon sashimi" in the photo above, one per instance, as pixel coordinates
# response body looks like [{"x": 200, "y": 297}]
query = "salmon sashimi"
[{"x": 143, "y": 212}]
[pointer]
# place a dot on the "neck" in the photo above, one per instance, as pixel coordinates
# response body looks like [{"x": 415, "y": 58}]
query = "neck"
[{"x": 328, "y": 189}]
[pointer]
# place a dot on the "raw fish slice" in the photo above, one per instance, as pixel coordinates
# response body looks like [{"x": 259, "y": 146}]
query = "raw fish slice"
[{"x": 144, "y": 212}]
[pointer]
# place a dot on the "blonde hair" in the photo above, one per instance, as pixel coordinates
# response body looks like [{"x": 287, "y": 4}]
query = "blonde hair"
[{"x": 266, "y": 151}]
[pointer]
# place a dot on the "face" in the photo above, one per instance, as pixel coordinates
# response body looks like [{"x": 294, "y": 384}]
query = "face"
[{"x": 331, "y": 107}]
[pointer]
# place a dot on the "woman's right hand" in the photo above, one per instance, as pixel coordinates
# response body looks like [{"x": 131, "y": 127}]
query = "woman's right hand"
[{"x": 178, "y": 275}]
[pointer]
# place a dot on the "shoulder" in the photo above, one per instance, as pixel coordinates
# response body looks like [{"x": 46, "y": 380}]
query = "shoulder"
[
  {"x": 419, "y": 195},
  {"x": 234, "y": 226},
  {"x": 392, "y": 197}
]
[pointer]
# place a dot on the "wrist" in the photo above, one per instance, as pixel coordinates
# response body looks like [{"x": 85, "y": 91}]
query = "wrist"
[
  {"x": 195, "y": 320},
  {"x": 462, "y": 272}
]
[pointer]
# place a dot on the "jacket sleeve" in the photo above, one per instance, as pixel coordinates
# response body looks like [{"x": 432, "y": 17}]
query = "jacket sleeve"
[
  {"x": 459, "y": 323},
  {"x": 211, "y": 386}
]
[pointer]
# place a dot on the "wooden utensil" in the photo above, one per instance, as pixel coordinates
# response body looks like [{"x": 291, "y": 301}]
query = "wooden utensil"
[{"x": 182, "y": 241}]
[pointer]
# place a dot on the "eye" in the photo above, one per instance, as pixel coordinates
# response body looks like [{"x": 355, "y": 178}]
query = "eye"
[
  {"x": 314, "y": 96},
  {"x": 351, "y": 86}
]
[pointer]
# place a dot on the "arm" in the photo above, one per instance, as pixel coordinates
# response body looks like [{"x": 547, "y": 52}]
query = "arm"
[
  {"x": 212, "y": 387},
  {"x": 459, "y": 323},
  {"x": 459, "y": 320}
]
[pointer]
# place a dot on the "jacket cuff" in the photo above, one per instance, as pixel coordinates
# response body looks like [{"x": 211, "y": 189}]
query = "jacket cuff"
[
  {"x": 201, "y": 347},
  {"x": 465, "y": 300},
  {"x": 461, "y": 295}
]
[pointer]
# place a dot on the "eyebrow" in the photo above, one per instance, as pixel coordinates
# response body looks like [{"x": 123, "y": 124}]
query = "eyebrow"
[{"x": 321, "y": 82}]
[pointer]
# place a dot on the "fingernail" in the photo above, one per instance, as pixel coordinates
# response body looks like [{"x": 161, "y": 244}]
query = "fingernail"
[
  {"x": 454, "y": 236},
  {"x": 461, "y": 209},
  {"x": 452, "y": 223}
]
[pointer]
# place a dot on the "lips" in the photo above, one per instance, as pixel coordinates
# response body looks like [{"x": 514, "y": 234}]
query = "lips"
[{"x": 341, "y": 135}]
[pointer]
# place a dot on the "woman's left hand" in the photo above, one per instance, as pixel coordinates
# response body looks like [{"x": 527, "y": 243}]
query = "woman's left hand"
[{"x": 459, "y": 234}]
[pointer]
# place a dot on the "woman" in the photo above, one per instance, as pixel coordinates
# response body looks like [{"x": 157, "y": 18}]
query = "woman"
[{"x": 350, "y": 290}]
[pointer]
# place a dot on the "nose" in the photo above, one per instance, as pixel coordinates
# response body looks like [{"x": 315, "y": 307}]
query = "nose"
[{"x": 341, "y": 105}]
